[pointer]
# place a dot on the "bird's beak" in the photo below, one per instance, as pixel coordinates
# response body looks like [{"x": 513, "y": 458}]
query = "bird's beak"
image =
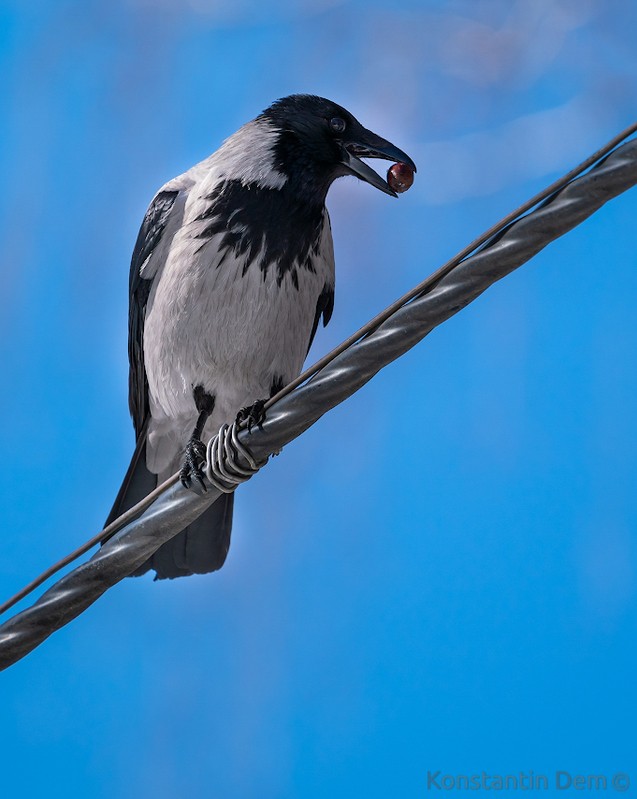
[{"x": 369, "y": 145}]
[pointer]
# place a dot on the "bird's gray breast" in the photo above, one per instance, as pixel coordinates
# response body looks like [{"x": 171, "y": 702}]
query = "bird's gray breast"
[{"x": 235, "y": 304}]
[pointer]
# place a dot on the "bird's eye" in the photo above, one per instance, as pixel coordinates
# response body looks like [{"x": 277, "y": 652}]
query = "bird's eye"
[{"x": 337, "y": 124}]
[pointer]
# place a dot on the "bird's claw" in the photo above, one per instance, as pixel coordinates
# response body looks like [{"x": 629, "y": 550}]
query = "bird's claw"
[
  {"x": 252, "y": 415},
  {"x": 195, "y": 458}
]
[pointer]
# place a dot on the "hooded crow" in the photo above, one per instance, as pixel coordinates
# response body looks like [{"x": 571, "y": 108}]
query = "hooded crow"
[{"x": 232, "y": 271}]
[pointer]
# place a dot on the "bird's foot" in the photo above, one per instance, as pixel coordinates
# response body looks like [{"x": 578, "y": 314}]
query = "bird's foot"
[
  {"x": 195, "y": 458},
  {"x": 252, "y": 415}
]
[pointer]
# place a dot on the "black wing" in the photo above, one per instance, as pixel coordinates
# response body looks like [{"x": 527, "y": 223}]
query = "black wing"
[
  {"x": 324, "y": 308},
  {"x": 150, "y": 233}
]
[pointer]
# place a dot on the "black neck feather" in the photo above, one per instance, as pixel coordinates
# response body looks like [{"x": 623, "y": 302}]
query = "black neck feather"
[{"x": 269, "y": 228}]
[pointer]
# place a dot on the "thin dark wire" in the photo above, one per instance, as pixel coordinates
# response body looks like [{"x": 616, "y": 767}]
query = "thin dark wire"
[
  {"x": 108, "y": 532},
  {"x": 422, "y": 288},
  {"x": 429, "y": 282}
]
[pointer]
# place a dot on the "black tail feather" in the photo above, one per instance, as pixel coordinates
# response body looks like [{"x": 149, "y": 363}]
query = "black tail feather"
[
  {"x": 199, "y": 548},
  {"x": 137, "y": 484}
]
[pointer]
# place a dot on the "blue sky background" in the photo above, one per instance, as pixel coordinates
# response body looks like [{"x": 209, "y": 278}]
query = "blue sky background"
[{"x": 462, "y": 598}]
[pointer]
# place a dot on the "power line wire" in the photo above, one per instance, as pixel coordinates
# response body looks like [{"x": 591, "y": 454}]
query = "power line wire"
[{"x": 110, "y": 530}]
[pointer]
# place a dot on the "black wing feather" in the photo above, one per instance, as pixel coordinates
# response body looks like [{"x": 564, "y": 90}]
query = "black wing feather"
[
  {"x": 324, "y": 308},
  {"x": 149, "y": 235}
]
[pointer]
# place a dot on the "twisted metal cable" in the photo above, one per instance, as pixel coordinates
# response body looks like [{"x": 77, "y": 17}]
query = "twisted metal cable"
[
  {"x": 291, "y": 415},
  {"x": 422, "y": 288},
  {"x": 223, "y": 468}
]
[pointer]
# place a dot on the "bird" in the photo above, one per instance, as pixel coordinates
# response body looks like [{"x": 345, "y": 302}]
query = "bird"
[{"x": 230, "y": 276}]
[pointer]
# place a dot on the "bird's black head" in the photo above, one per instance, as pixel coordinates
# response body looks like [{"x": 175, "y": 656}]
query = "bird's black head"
[{"x": 320, "y": 141}]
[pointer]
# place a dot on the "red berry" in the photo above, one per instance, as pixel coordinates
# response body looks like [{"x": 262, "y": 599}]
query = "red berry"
[{"x": 400, "y": 177}]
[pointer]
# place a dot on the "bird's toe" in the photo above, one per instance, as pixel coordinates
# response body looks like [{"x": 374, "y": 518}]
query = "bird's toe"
[
  {"x": 195, "y": 458},
  {"x": 252, "y": 415}
]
